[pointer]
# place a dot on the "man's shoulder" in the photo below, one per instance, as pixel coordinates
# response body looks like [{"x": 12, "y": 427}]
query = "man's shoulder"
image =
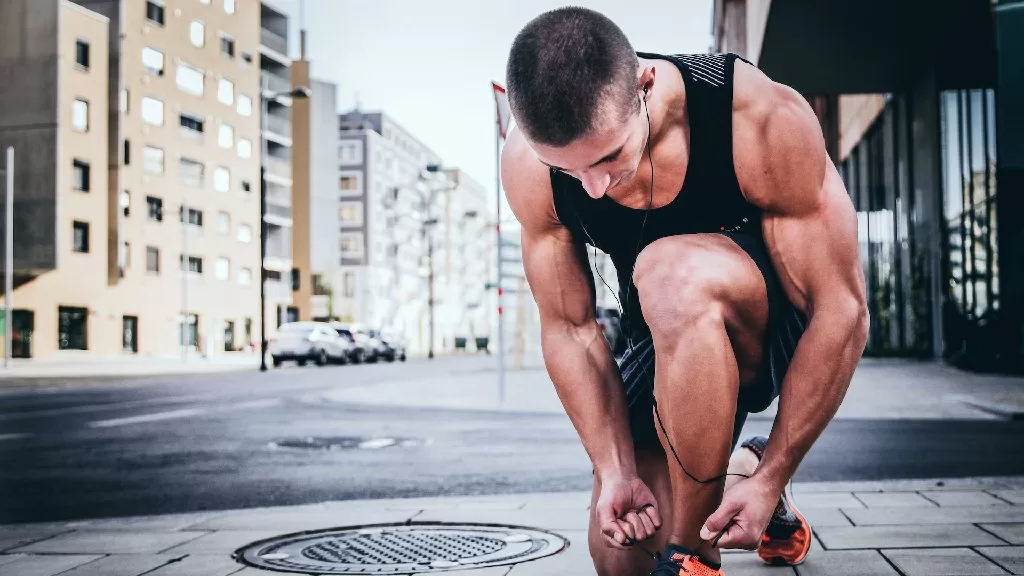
[{"x": 526, "y": 181}]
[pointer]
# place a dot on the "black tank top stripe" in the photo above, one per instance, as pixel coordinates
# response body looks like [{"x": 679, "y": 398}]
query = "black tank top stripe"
[{"x": 710, "y": 199}]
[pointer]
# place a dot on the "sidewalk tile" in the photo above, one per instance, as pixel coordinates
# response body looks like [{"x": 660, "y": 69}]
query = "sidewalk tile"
[
  {"x": 952, "y": 515},
  {"x": 255, "y": 572},
  {"x": 894, "y": 500},
  {"x": 845, "y": 563},
  {"x": 549, "y": 519},
  {"x": 825, "y": 517},
  {"x": 808, "y": 500},
  {"x": 748, "y": 564},
  {"x": 1015, "y": 496},
  {"x": 942, "y": 562},
  {"x": 201, "y": 565},
  {"x": 861, "y": 537},
  {"x": 951, "y": 498},
  {"x": 123, "y": 565},
  {"x": 1012, "y": 533},
  {"x": 162, "y": 523},
  {"x": 26, "y": 565},
  {"x": 288, "y": 520},
  {"x": 14, "y": 536},
  {"x": 1010, "y": 558},
  {"x": 223, "y": 542},
  {"x": 111, "y": 542}
]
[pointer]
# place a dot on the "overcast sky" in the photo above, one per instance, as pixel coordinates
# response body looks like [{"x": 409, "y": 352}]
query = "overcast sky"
[{"x": 429, "y": 63}]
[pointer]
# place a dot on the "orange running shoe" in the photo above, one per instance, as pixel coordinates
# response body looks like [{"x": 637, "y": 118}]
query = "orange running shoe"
[
  {"x": 676, "y": 561},
  {"x": 787, "y": 540}
]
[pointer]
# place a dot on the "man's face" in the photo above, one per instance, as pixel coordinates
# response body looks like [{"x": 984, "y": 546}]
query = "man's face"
[{"x": 604, "y": 158}]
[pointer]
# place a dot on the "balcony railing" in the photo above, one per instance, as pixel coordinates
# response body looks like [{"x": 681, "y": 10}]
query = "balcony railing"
[
  {"x": 275, "y": 83},
  {"x": 279, "y": 194},
  {"x": 279, "y": 211},
  {"x": 278, "y": 167},
  {"x": 273, "y": 41},
  {"x": 278, "y": 125}
]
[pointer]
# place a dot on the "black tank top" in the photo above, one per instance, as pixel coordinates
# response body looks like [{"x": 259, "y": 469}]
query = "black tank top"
[{"x": 710, "y": 200}]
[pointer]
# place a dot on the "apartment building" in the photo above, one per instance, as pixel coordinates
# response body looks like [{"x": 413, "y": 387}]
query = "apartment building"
[
  {"x": 137, "y": 214},
  {"x": 276, "y": 142}
]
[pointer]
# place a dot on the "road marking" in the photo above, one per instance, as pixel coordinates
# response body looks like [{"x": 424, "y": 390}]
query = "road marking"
[
  {"x": 155, "y": 417},
  {"x": 13, "y": 436}
]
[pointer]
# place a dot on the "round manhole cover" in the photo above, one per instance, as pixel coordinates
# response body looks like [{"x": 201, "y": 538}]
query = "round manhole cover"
[{"x": 400, "y": 549}]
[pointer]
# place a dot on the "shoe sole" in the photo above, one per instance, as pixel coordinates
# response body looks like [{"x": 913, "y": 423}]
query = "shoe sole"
[{"x": 779, "y": 560}]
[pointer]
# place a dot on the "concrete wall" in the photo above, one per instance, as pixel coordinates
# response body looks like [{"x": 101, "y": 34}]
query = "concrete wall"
[
  {"x": 301, "y": 174},
  {"x": 323, "y": 187},
  {"x": 28, "y": 121}
]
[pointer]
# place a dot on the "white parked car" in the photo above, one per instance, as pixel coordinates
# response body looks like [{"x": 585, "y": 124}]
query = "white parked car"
[{"x": 305, "y": 342}]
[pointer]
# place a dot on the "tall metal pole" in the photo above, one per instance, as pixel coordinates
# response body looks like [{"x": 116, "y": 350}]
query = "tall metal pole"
[
  {"x": 9, "y": 257},
  {"x": 430, "y": 280},
  {"x": 501, "y": 311},
  {"x": 184, "y": 281},
  {"x": 263, "y": 234}
]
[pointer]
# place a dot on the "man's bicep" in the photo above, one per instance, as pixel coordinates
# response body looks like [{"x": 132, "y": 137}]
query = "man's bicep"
[{"x": 557, "y": 270}]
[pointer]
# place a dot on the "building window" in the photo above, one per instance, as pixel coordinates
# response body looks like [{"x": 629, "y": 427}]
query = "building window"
[
  {"x": 227, "y": 45},
  {"x": 244, "y": 105},
  {"x": 245, "y": 186},
  {"x": 351, "y": 213},
  {"x": 197, "y": 33},
  {"x": 349, "y": 184},
  {"x": 152, "y": 111},
  {"x": 82, "y": 53},
  {"x": 126, "y": 203},
  {"x": 245, "y": 233},
  {"x": 153, "y": 160},
  {"x": 80, "y": 115},
  {"x": 351, "y": 153},
  {"x": 350, "y": 284},
  {"x": 246, "y": 57},
  {"x": 226, "y": 91},
  {"x": 152, "y": 259},
  {"x": 155, "y": 209},
  {"x": 191, "y": 126},
  {"x": 155, "y": 11},
  {"x": 194, "y": 218},
  {"x": 223, "y": 223},
  {"x": 351, "y": 245},
  {"x": 81, "y": 175},
  {"x": 244, "y": 148},
  {"x": 153, "y": 61},
  {"x": 245, "y": 276},
  {"x": 229, "y": 6},
  {"x": 122, "y": 104},
  {"x": 221, "y": 179},
  {"x": 126, "y": 152},
  {"x": 72, "y": 325},
  {"x": 190, "y": 80},
  {"x": 222, "y": 269},
  {"x": 226, "y": 136},
  {"x": 190, "y": 172},
  {"x": 195, "y": 264},
  {"x": 126, "y": 255},
  {"x": 81, "y": 236}
]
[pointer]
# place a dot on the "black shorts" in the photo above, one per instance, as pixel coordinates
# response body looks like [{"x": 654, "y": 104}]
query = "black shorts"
[{"x": 786, "y": 324}]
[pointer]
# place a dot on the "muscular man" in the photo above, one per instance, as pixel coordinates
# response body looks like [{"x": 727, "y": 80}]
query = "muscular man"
[{"x": 735, "y": 244}]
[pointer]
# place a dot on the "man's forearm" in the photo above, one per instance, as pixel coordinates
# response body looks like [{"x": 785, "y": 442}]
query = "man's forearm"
[
  {"x": 587, "y": 381},
  {"x": 813, "y": 389}
]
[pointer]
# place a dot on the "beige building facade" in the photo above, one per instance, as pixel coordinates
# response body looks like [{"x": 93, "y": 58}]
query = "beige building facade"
[{"x": 156, "y": 197}]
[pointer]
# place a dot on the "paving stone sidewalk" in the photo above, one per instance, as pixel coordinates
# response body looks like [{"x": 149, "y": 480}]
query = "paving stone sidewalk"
[{"x": 913, "y": 528}]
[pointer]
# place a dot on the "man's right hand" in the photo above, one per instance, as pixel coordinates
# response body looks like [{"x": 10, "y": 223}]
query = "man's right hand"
[{"x": 627, "y": 512}]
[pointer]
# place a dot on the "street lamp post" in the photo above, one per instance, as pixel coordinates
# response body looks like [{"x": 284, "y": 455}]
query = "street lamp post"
[{"x": 297, "y": 93}]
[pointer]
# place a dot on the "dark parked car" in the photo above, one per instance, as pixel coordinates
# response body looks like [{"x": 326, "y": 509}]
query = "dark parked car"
[
  {"x": 611, "y": 325},
  {"x": 362, "y": 347},
  {"x": 392, "y": 348}
]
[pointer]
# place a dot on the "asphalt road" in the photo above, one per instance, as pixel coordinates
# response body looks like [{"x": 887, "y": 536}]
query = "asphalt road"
[{"x": 97, "y": 448}]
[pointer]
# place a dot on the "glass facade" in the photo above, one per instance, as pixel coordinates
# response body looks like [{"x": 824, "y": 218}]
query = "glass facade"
[
  {"x": 879, "y": 179},
  {"x": 971, "y": 303}
]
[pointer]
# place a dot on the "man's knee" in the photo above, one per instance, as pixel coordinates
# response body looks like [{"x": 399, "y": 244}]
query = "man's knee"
[{"x": 679, "y": 285}]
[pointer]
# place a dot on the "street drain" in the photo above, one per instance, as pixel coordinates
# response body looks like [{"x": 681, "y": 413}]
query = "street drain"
[
  {"x": 344, "y": 443},
  {"x": 400, "y": 549}
]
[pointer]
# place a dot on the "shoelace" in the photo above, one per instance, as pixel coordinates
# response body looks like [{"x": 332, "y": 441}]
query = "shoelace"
[{"x": 667, "y": 567}]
